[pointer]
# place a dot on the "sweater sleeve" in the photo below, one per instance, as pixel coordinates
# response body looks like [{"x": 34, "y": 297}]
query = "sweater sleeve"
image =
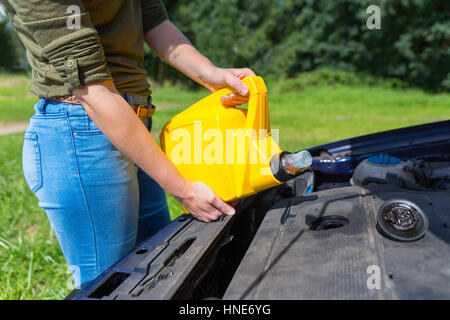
[
  {"x": 153, "y": 13},
  {"x": 66, "y": 36}
]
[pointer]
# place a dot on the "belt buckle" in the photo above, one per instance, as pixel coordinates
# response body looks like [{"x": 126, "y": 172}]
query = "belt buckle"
[
  {"x": 149, "y": 111},
  {"x": 143, "y": 109}
]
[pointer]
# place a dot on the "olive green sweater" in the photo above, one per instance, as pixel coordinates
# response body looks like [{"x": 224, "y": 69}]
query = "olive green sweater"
[{"x": 107, "y": 43}]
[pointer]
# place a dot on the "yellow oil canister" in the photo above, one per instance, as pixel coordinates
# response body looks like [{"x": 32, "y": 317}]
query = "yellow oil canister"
[{"x": 230, "y": 149}]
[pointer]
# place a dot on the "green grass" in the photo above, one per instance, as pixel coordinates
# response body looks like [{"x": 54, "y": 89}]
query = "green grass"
[
  {"x": 16, "y": 103},
  {"x": 31, "y": 262},
  {"x": 323, "y": 114}
]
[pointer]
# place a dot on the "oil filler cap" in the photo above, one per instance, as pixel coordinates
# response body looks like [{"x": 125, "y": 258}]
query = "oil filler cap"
[{"x": 401, "y": 220}]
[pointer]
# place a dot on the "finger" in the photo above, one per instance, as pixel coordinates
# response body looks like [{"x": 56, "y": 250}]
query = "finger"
[
  {"x": 214, "y": 214},
  {"x": 235, "y": 97},
  {"x": 222, "y": 206},
  {"x": 209, "y": 213},
  {"x": 200, "y": 217},
  {"x": 234, "y": 100},
  {"x": 232, "y": 103},
  {"x": 244, "y": 72},
  {"x": 234, "y": 82}
]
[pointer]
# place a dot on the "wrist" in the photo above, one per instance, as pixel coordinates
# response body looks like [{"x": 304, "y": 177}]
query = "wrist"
[
  {"x": 184, "y": 191},
  {"x": 207, "y": 73}
]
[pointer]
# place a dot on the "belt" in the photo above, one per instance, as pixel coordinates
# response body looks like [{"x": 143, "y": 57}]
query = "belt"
[{"x": 142, "y": 106}]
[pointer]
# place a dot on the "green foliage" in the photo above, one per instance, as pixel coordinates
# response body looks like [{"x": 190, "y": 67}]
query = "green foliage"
[
  {"x": 327, "y": 77},
  {"x": 287, "y": 37},
  {"x": 11, "y": 51}
]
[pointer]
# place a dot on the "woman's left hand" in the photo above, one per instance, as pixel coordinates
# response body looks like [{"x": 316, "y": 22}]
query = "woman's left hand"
[{"x": 221, "y": 77}]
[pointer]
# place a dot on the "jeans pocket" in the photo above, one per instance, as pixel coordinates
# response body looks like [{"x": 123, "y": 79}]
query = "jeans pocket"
[
  {"x": 86, "y": 128},
  {"x": 31, "y": 161}
]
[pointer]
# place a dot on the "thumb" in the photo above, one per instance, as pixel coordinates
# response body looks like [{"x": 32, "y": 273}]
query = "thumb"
[
  {"x": 222, "y": 206},
  {"x": 234, "y": 82}
]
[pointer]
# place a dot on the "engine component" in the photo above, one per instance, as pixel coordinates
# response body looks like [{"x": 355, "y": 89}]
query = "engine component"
[
  {"x": 378, "y": 167},
  {"x": 434, "y": 175},
  {"x": 401, "y": 220},
  {"x": 327, "y": 247}
]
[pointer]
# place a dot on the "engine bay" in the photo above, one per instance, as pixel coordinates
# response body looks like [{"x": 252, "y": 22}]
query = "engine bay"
[
  {"x": 324, "y": 246},
  {"x": 372, "y": 205},
  {"x": 373, "y": 198}
]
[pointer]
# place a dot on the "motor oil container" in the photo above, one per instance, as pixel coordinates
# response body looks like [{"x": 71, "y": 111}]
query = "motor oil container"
[{"x": 230, "y": 149}]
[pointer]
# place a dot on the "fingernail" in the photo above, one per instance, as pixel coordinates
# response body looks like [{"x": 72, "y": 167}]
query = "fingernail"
[
  {"x": 244, "y": 91},
  {"x": 231, "y": 212}
]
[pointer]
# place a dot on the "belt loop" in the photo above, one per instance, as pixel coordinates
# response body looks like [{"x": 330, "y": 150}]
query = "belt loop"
[
  {"x": 150, "y": 124},
  {"x": 40, "y": 107}
]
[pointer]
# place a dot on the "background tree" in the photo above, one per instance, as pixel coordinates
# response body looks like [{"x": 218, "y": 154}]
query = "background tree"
[
  {"x": 287, "y": 37},
  {"x": 11, "y": 51}
]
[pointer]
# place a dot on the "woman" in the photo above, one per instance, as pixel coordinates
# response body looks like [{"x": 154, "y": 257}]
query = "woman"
[{"x": 88, "y": 156}]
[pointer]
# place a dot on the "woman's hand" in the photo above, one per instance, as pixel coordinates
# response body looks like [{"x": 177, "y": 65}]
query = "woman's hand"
[
  {"x": 203, "y": 203},
  {"x": 217, "y": 78},
  {"x": 118, "y": 122},
  {"x": 174, "y": 48}
]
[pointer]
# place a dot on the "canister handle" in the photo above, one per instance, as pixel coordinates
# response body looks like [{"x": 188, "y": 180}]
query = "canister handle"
[{"x": 258, "y": 108}]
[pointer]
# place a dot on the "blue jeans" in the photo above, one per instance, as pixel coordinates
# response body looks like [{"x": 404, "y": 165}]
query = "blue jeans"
[{"x": 98, "y": 202}]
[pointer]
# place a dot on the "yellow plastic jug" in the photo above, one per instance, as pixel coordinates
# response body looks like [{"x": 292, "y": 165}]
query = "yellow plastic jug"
[{"x": 230, "y": 149}]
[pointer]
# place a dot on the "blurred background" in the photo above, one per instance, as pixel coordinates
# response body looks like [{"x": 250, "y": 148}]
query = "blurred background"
[{"x": 329, "y": 77}]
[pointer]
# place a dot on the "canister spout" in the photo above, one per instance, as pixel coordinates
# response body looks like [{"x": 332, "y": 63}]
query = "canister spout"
[
  {"x": 293, "y": 162},
  {"x": 285, "y": 166}
]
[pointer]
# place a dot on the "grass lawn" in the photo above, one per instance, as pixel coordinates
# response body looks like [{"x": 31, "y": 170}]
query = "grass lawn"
[
  {"x": 31, "y": 263},
  {"x": 15, "y": 100}
]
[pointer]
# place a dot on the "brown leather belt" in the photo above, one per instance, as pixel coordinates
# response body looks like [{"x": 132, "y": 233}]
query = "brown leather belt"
[
  {"x": 67, "y": 99},
  {"x": 142, "y": 111}
]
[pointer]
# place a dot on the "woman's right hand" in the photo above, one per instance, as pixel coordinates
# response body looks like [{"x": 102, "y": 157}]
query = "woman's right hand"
[
  {"x": 118, "y": 122},
  {"x": 203, "y": 203}
]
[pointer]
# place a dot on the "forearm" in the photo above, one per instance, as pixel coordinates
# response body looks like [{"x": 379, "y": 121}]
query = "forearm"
[
  {"x": 123, "y": 128},
  {"x": 173, "y": 47}
]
